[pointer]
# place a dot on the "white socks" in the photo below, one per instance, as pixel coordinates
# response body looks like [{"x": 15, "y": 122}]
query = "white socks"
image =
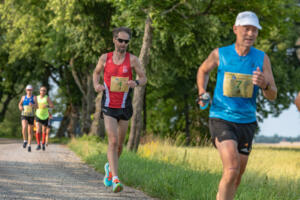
[{"x": 115, "y": 177}]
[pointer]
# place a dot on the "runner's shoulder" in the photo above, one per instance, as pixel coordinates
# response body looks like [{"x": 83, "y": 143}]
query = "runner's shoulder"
[
  {"x": 133, "y": 59},
  {"x": 215, "y": 53},
  {"x": 103, "y": 57}
]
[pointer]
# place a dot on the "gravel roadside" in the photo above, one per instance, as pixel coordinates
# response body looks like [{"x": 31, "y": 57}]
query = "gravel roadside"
[{"x": 56, "y": 173}]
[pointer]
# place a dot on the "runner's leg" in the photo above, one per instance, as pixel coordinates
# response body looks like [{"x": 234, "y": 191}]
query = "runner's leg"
[
  {"x": 38, "y": 132},
  {"x": 122, "y": 130},
  {"x": 244, "y": 161},
  {"x": 47, "y": 134},
  {"x": 231, "y": 168},
  {"x": 44, "y": 134},
  {"x": 24, "y": 127},
  {"x": 111, "y": 126},
  {"x": 29, "y": 132}
]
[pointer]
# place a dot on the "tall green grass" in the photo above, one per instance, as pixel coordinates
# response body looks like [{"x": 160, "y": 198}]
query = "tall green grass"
[{"x": 169, "y": 172}]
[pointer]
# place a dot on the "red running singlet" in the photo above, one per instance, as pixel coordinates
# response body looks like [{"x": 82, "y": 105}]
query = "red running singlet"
[{"x": 115, "y": 82}]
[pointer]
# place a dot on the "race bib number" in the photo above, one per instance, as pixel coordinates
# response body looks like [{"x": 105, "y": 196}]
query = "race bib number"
[
  {"x": 28, "y": 110},
  {"x": 119, "y": 84},
  {"x": 237, "y": 85}
]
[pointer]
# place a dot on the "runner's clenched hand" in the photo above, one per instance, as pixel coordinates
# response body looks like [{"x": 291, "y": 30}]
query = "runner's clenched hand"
[
  {"x": 259, "y": 78},
  {"x": 99, "y": 88}
]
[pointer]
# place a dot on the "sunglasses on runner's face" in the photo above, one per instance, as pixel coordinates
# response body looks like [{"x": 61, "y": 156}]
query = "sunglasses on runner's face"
[
  {"x": 43, "y": 90},
  {"x": 121, "y": 41}
]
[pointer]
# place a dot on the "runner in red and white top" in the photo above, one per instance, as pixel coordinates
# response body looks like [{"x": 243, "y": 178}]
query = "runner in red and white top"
[
  {"x": 116, "y": 100},
  {"x": 116, "y": 90}
]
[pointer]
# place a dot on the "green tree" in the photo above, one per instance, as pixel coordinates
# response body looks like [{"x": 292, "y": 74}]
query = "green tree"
[
  {"x": 184, "y": 33},
  {"x": 84, "y": 29}
]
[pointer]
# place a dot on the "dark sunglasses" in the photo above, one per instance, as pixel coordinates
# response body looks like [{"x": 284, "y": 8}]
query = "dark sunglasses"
[{"x": 121, "y": 41}]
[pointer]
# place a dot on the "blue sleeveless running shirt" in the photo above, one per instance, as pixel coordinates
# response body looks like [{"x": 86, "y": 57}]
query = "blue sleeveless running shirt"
[
  {"x": 235, "y": 96},
  {"x": 28, "y": 110}
]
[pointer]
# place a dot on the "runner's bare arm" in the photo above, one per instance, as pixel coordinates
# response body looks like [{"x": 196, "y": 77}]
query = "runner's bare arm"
[
  {"x": 141, "y": 76},
  {"x": 36, "y": 105},
  {"x": 50, "y": 103},
  {"x": 265, "y": 80},
  {"x": 97, "y": 72},
  {"x": 20, "y": 103},
  {"x": 35, "y": 102},
  {"x": 206, "y": 67}
]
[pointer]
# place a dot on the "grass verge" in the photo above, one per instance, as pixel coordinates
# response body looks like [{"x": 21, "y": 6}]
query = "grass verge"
[{"x": 166, "y": 177}]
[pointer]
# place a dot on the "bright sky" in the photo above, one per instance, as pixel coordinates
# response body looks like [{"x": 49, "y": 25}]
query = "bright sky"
[{"x": 287, "y": 124}]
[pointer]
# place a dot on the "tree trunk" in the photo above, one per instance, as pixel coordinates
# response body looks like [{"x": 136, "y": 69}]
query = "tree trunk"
[
  {"x": 84, "y": 82},
  {"x": 97, "y": 127},
  {"x": 5, "y": 107},
  {"x": 138, "y": 96},
  {"x": 64, "y": 123},
  {"x": 145, "y": 112},
  {"x": 72, "y": 128},
  {"x": 88, "y": 105},
  {"x": 298, "y": 48},
  {"x": 187, "y": 121}
]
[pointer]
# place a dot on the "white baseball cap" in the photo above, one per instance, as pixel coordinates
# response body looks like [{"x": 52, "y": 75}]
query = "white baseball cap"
[
  {"x": 29, "y": 87},
  {"x": 247, "y": 18}
]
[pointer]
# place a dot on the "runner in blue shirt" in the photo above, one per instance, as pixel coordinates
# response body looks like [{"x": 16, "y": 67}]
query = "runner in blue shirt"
[
  {"x": 27, "y": 106},
  {"x": 242, "y": 71}
]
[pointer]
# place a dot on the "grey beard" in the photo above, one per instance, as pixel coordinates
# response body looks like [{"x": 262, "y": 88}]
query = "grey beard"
[{"x": 121, "y": 50}]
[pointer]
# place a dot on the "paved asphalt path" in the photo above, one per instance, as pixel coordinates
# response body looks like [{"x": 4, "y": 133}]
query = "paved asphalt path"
[{"x": 56, "y": 173}]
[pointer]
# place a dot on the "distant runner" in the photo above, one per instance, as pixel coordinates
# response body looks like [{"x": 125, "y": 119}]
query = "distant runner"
[
  {"x": 242, "y": 71},
  {"x": 116, "y": 101},
  {"x": 42, "y": 115},
  {"x": 27, "y": 105}
]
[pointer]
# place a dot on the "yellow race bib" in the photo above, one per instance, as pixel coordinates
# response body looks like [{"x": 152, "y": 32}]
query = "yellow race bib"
[
  {"x": 237, "y": 85},
  {"x": 119, "y": 84},
  {"x": 28, "y": 110}
]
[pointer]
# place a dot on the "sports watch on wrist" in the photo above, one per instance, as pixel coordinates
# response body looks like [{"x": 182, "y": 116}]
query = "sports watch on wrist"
[
  {"x": 137, "y": 82},
  {"x": 267, "y": 87}
]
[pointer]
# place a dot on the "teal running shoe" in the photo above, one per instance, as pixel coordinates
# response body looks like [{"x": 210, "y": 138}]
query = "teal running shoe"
[
  {"x": 108, "y": 176},
  {"x": 117, "y": 186}
]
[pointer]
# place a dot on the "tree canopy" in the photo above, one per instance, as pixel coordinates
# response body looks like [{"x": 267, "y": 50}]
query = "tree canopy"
[{"x": 63, "y": 39}]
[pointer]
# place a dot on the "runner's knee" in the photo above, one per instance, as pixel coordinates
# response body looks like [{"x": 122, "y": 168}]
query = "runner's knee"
[
  {"x": 113, "y": 142},
  {"x": 231, "y": 174},
  {"x": 120, "y": 148}
]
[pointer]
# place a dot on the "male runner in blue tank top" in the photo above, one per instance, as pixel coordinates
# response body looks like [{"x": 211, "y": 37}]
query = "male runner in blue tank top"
[
  {"x": 27, "y": 105},
  {"x": 242, "y": 71}
]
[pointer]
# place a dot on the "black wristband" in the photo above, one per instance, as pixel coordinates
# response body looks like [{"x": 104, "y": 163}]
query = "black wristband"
[
  {"x": 137, "y": 82},
  {"x": 267, "y": 86}
]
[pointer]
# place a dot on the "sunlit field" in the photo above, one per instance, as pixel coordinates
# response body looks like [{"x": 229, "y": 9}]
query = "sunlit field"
[
  {"x": 169, "y": 172},
  {"x": 278, "y": 162}
]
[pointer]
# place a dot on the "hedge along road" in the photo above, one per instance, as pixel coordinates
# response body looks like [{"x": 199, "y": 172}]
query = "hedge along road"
[{"x": 56, "y": 173}]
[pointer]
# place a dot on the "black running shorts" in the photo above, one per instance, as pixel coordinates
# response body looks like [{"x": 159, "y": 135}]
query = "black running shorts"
[
  {"x": 118, "y": 113},
  {"x": 43, "y": 122},
  {"x": 30, "y": 120},
  {"x": 241, "y": 133}
]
